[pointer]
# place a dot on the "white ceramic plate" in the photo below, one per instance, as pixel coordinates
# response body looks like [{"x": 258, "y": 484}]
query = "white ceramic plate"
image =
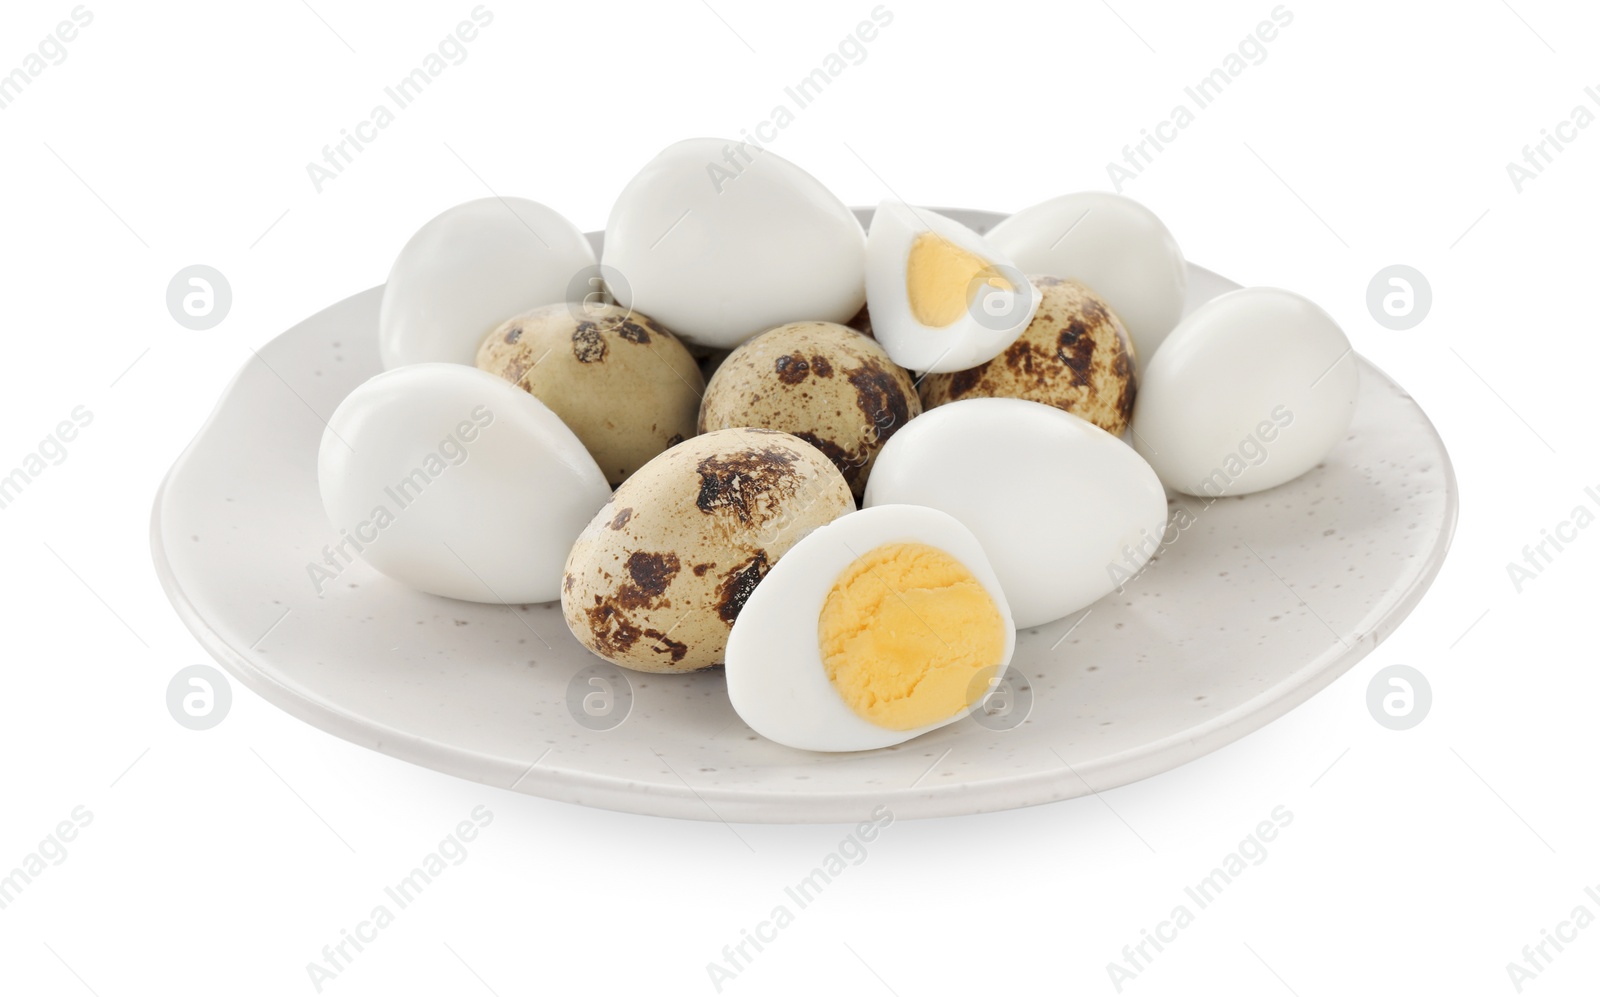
[{"x": 1260, "y": 603}]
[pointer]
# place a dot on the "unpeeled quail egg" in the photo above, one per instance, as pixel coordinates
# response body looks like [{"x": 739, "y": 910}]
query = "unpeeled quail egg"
[
  {"x": 619, "y": 380},
  {"x": 826, "y": 383},
  {"x": 1075, "y": 355},
  {"x": 659, "y": 575}
]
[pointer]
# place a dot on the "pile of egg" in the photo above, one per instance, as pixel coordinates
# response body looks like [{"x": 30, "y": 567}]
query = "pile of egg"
[{"x": 845, "y": 465}]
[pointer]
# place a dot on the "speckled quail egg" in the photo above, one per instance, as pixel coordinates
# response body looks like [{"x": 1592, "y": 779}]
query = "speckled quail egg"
[
  {"x": 825, "y": 383},
  {"x": 1074, "y": 355},
  {"x": 619, "y": 380},
  {"x": 657, "y": 578},
  {"x": 720, "y": 240},
  {"x": 469, "y": 269},
  {"x": 1112, "y": 244},
  {"x": 882, "y": 625},
  {"x": 942, "y": 298}
]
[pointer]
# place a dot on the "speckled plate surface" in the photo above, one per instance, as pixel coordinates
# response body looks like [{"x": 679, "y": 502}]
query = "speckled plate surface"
[{"x": 1260, "y": 602}]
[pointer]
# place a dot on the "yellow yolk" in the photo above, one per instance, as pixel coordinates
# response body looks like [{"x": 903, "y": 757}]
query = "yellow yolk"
[
  {"x": 905, "y": 633},
  {"x": 942, "y": 279}
]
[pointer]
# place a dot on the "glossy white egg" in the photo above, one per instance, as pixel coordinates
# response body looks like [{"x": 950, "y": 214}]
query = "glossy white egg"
[
  {"x": 471, "y": 268},
  {"x": 1114, "y": 245},
  {"x": 777, "y": 679},
  {"x": 719, "y": 241},
  {"x": 1252, "y": 389},
  {"x": 942, "y": 298},
  {"x": 1065, "y": 511},
  {"x": 453, "y": 481}
]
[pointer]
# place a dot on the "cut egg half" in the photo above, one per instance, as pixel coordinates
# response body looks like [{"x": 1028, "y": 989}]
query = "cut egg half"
[
  {"x": 941, "y": 298},
  {"x": 883, "y": 625}
]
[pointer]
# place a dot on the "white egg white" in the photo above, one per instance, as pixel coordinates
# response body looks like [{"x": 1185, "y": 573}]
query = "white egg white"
[
  {"x": 1251, "y": 390},
  {"x": 776, "y": 678},
  {"x": 993, "y": 320},
  {"x": 720, "y": 241},
  {"x": 455, "y": 482},
  {"x": 1114, "y": 245},
  {"x": 471, "y": 268},
  {"x": 1065, "y": 510}
]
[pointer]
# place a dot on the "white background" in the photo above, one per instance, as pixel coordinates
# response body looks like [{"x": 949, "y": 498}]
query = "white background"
[{"x": 1420, "y": 862}]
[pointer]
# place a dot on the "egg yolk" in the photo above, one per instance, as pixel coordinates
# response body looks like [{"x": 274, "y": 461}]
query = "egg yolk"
[
  {"x": 905, "y": 633},
  {"x": 942, "y": 279}
]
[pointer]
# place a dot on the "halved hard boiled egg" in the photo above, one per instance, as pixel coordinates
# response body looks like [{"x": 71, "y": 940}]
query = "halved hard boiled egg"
[
  {"x": 941, "y": 298},
  {"x": 882, "y": 625}
]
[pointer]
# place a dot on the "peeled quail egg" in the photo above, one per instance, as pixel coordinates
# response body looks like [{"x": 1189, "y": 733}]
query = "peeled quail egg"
[
  {"x": 1111, "y": 243},
  {"x": 877, "y": 627},
  {"x": 471, "y": 268},
  {"x": 1065, "y": 510},
  {"x": 1252, "y": 389},
  {"x": 941, "y": 297},
  {"x": 454, "y": 482},
  {"x": 721, "y": 240}
]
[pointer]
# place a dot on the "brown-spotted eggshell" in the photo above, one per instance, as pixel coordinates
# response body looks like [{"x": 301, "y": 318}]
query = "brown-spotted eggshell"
[{"x": 656, "y": 579}]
